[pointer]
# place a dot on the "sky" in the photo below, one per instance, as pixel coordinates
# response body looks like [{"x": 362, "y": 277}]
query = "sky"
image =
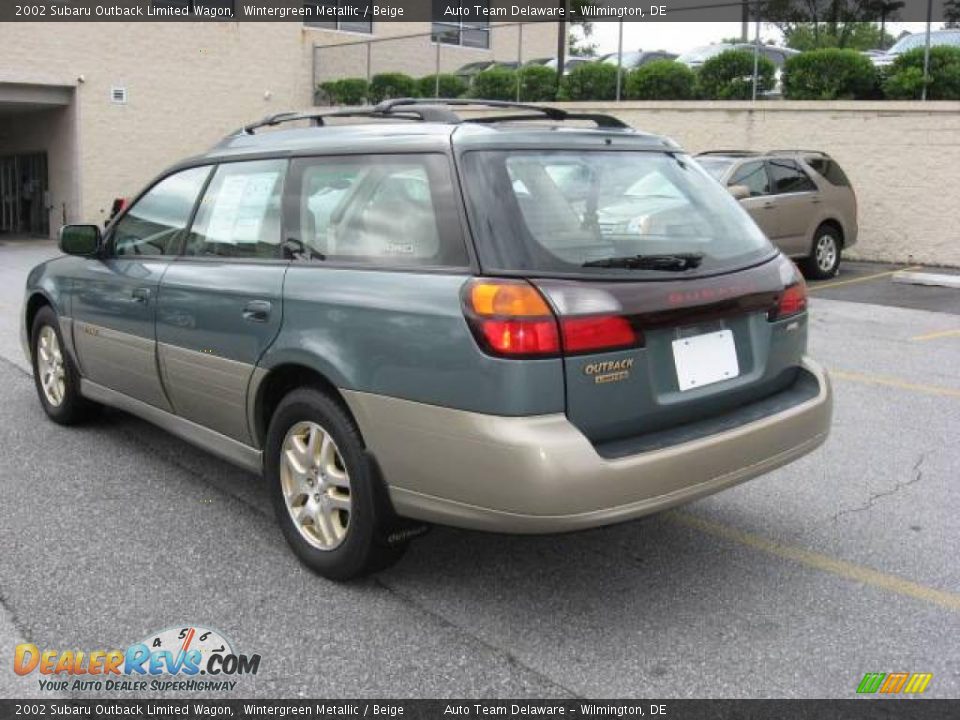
[{"x": 683, "y": 36}]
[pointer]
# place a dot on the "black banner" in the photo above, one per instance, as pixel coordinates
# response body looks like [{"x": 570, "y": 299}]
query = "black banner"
[
  {"x": 855, "y": 709},
  {"x": 320, "y": 11}
]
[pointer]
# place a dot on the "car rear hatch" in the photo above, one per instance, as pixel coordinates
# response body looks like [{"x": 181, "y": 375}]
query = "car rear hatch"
[
  {"x": 666, "y": 302},
  {"x": 701, "y": 349}
]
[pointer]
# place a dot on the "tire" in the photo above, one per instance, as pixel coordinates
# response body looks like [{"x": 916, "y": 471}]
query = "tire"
[
  {"x": 54, "y": 374},
  {"x": 317, "y": 468},
  {"x": 824, "y": 259}
]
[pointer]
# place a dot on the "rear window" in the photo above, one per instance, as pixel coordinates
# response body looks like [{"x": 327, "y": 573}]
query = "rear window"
[
  {"x": 828, "y": 168},
  {"x": 561, "y": 212}
]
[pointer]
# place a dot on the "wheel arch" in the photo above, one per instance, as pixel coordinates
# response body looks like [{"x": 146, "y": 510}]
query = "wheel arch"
[
  {"x": 276, "y": 382},
  {"x": 834, "y": 223}
]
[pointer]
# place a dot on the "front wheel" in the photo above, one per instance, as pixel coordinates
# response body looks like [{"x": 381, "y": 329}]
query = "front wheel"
[
  {"x": 56, "y": 379},
  {"x": 824, "y": 259},
  {"x": 325, "y": 490}
]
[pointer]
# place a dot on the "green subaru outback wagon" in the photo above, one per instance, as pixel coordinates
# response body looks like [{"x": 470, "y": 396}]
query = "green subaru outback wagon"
[{"x": 508, "y": 322}]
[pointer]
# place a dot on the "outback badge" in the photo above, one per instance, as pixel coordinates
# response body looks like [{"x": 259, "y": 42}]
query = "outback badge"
[{"x": 609, "y": 370}]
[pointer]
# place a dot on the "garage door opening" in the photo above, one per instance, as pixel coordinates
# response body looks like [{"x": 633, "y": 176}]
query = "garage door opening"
[{"x": 24, "y": 195}]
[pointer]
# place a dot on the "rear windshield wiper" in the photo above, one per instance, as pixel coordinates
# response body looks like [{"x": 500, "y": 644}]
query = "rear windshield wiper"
[{"x": 673, "y": 262}]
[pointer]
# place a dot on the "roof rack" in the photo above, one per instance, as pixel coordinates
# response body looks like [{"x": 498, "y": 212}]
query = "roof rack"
[
  {"x": 543, "y": 111},
  {"x": 434, "y": 110}
]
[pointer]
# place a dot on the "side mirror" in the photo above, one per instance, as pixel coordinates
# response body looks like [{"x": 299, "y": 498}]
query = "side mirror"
[
  {"x": 739, "y": 192},
  {"x": 80, "y": 239}
]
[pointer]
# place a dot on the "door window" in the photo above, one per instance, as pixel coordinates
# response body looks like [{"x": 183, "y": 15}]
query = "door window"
[
  {"x": 754, "y": 176},
  {"x": 389, "y": 210},
  {"x": 239, "y": 216},
  {"x": 155, "y": 223},
  {"x": 787, "y": 177}
]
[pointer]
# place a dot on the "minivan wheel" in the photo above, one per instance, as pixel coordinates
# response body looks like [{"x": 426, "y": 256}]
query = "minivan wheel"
[
  {"x": 54, "y": 375},
  {"x": 824, "y": 259},
  {"x": 325, "y": 490}
]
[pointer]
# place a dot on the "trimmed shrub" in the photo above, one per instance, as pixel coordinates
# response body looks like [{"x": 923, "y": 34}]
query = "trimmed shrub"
[
  {"x": 590, "y": 81},
  {"x": 391, "y": 85},
  {"x": 537, "y": 83},
  {"x": 904, "y": 79},
  {"x": 829, "y": 74},
  {"x": 494, "y": 84},
  {"x": 729, "y": 76},
  {"x": 346, "y": 91},
  {"x": 661, "y": 80},
  {"x": 451, "y": 86}
]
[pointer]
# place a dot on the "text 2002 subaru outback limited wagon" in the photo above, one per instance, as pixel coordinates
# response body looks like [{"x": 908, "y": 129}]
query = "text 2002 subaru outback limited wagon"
[{"x": 504, "y": 323}]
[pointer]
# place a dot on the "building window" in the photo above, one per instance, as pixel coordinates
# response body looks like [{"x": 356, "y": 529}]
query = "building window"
[
  {"x": 471, "y": 30},
  {"x": 348, "y": 15}
]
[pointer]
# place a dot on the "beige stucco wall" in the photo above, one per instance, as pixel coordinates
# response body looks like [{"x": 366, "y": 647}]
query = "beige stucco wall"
[
  {"x": 903, "y": 159},
  {"x": 188, "y": 84}
]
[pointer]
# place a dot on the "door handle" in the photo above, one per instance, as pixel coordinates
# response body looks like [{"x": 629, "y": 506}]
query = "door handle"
[
  {"x": 769, "y": 206},
  {"x": 141, "y": 295},
  {"x": 816, "y": 201},
  {"x": 257, "y": 311}
]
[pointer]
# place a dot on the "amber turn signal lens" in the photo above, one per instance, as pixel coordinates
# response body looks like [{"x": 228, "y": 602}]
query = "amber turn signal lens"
[{"x": 507, "y": 298}]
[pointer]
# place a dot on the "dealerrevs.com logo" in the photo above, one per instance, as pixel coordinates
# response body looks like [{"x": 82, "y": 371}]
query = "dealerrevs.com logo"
[{"x": 192, "y": 659}]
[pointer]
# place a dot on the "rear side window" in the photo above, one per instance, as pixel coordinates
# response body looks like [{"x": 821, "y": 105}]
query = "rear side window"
[
  {"x": 394, "y": 210},
  {"x": 829, "y": 169},
  {"x": 787, "y": 177},
  {"x": 240, "y": 212},
  {"x": 155, "y": 223},
  {"x": 754, "y": 176},
  {"x": 575, "y": 212}
]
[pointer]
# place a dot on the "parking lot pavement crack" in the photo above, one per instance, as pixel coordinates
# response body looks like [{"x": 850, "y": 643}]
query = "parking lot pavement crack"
[
  {"x": 875, "y": 498},
  {"x": 495, "y": 649}
]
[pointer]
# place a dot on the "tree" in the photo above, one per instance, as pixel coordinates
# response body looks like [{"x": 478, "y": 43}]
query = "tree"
[
  {"x": 580, "y": 46},
  {"x": 852, "y": 36},
  {"x": 831, "y": 23},
  {"x": 951, "y": 13}
]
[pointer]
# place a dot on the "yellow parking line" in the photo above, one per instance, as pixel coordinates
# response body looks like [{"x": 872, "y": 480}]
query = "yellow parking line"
[
  {"x": 935, "y": 335},
  {"x": 865, "y": 278},
  {"x": 824, "y": 563},
  {"x": 895, "y": 383}
]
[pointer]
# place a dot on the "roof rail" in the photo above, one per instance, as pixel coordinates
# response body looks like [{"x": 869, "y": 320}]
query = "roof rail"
[
  {"x": 797, "y": 151},
  {"x": 544, "y": 111},
  {"x": 423, "y": 114},
  {"x": 432, "y": 110}
]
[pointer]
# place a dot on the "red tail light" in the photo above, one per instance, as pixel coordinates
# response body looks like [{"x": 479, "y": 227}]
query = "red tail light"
[
  {"x": 511, "y": 318},
  {"x": 603, "y": 332},
  {"x": 793, "y": 301}
]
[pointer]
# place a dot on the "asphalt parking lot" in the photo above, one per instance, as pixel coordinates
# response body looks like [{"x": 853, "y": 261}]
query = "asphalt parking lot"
[{"x": 792, "y": 585}]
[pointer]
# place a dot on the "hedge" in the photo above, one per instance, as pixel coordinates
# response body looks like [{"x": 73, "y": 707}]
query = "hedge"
[
  {"x": 451, "y": 86},
  {"x": 661, "y": 80},
  {"x": 904, "y": 79},
  {"x": 829, "y": 74},
  {"x": 537, "y": 83},
  {"x": 590, "y": 81},
  {"x": 494, "y": 84},
  {"x": 729, "y": 76},
  {"x": 346, "y": 91},
  {"x": 391, "y": 85}
]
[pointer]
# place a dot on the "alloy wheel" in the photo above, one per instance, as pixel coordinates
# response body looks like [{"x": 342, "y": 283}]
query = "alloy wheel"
[
  {"x": 315, "y": 485},
  {"x": 50, "y": 366},
  {"x": 826, "y": 253}
]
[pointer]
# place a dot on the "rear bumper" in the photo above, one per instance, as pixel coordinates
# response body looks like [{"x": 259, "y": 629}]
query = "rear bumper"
[{"x": 540, "y": 474}]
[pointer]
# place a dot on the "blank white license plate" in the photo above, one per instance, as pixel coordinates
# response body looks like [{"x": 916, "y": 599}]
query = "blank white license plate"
[{"x": 705, "y": 359}]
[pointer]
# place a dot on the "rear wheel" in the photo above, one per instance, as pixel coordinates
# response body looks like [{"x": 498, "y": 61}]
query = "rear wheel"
[
  {"x": 54, "y": 374},
  {"x": 325, "y": 490},
  {"x": 824, "y": 259}
]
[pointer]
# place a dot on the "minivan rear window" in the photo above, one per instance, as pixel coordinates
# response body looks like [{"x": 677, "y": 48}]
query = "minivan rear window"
[{"x": 568, "y": 212}]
